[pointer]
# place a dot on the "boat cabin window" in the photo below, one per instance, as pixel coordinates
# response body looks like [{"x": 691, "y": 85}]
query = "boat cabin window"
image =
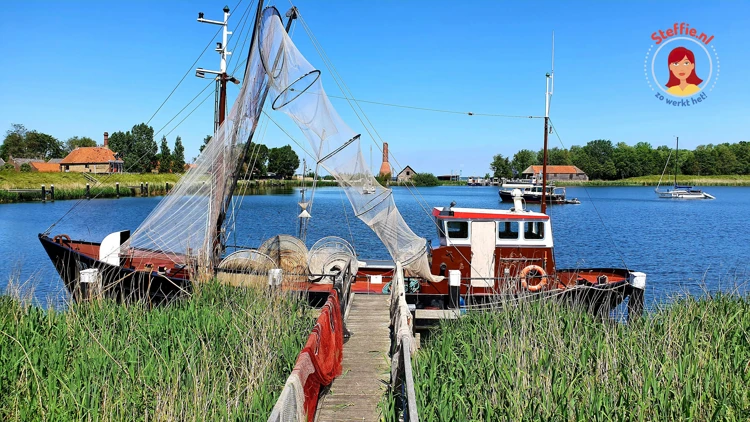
[
  {"x": 458, "y": 229},
  {"x": 507, "y": 230},
  {"x": 533, "y": 230}
]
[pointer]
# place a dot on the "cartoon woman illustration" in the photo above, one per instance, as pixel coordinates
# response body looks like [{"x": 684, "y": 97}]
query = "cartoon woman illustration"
[{"x": 682, "y": 78}]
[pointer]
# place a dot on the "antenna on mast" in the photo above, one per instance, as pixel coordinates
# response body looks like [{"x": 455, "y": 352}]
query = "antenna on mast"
[
  {"x": 547, "y": 100},
  {"x": 220, "y": 102}
]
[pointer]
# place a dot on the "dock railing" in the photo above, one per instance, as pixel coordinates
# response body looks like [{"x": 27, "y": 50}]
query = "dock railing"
[
  {"x": 403, "y": 346},
  {"x": 319, "y": 361}
]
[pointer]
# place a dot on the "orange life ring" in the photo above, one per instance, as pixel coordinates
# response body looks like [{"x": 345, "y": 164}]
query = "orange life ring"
[
  {"x": 536, "y": 287},
  {"x": 61, "y": 239}
]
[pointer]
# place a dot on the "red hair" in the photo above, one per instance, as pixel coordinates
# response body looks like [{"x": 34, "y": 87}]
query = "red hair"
[{"x": 675, "y": 56}]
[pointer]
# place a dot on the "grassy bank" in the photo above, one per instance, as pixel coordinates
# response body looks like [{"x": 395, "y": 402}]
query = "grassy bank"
[
  {"x": 729, "y": 180},
  {"x": 223, "y": 354},
  {"x": 543, "y": 361}
]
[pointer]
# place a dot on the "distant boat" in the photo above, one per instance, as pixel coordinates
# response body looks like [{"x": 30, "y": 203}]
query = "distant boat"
[
  {"x": 533, "y": 194},
  {"x": 677, "y": 191}
]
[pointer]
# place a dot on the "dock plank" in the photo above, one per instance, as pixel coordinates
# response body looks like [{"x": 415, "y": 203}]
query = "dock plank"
[{"x": 355, "y": 394}]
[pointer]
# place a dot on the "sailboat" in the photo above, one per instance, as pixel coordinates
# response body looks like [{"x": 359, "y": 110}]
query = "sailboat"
[
  {"x": 484, "y": 257},
  {"x": 677, "y": 191}
]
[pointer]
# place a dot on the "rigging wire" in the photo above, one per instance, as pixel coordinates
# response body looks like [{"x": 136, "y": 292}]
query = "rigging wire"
[
  {"x": 593, "y": 203},
  {"x": 190, "y": 69},
  {"x": 183, "y": 109}
]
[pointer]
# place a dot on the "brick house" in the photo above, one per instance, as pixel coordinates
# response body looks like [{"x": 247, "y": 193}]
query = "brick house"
[
  {"x": 406, "y": 174},
  {"x": 92, "y": 160},
  {"x": 556, "y": 173}
]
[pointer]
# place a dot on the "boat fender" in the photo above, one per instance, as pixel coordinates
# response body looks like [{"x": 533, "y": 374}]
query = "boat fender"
[{"x": 541, "y": 273}]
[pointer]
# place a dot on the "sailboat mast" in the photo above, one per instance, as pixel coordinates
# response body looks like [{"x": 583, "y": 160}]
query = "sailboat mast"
[
  {"x": 550, "y": 80},
  {"x": 676, "y": 158}
]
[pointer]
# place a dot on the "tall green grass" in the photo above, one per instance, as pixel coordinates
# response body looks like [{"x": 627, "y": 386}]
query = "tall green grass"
[
  {"x": 222, "y": 354},
  {"x": 544, "y": 361}
]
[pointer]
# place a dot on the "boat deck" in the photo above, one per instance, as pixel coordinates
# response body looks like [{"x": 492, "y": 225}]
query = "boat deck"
[{"x": 355, "y": 394}]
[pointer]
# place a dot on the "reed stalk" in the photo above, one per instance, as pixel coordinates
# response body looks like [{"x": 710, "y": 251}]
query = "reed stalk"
[{"x": 222, "y": 354}]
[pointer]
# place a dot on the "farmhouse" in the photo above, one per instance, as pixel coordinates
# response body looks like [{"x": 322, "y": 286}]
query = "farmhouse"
[
  {"x": 556, "y": 173},
  {"x": 92, "y": 160},
  {"x": 406, "y": 174}
]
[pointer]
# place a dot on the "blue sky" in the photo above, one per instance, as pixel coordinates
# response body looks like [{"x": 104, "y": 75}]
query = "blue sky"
[{"x": 83, "y": 68}]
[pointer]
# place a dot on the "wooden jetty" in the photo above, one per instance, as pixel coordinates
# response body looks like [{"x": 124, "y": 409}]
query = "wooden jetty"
[{"x": 355, "y": 395}]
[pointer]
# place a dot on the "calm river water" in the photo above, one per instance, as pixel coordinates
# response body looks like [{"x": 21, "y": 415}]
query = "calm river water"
[{"x": 683, "y": 246}]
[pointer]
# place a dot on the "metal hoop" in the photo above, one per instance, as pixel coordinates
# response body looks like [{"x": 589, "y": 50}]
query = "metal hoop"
[{"x": 316, "y": 72}]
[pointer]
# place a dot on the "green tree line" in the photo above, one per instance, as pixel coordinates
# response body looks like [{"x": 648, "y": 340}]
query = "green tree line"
[
  {"x": 135, "y": 147},
  {"x": 260, "y": 161},
  {"x": 601, "y": 159}
]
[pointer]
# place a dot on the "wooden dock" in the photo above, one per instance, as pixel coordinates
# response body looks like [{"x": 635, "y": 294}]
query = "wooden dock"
[{"x": 355, "y": 395}]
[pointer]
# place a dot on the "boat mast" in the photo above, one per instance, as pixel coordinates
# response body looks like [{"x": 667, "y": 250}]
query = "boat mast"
[
  {"x": 676, "y": 158},
  {"x": 550, "y": 80},
  {"x": 220, "y": 99},
  {"x": 218, "y": 245}
]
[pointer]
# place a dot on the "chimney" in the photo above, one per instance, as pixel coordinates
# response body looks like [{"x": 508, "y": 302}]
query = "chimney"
[
  {"x": 106, "y": 139},
  {"x": 385, "y": 168}
]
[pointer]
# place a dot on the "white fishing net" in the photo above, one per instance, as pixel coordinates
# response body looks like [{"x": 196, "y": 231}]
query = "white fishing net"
[
  {"x": 296, "y": 90},
  {"x": 183, "y": 226}
]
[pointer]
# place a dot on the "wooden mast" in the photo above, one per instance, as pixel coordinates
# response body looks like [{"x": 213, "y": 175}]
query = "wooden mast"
[{"x": 218, "y": 245}]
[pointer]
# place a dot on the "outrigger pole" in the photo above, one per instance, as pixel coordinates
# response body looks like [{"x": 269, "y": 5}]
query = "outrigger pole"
[{"x": 548, "y": 97}]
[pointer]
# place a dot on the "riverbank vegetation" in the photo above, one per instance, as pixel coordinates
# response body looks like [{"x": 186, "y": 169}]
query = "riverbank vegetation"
[
  {"x": 603, "y": 160},
  {"x": 223, "y": 354},
  {"x": 667, "y": 180},
  {"x": 545, "y": 361}
]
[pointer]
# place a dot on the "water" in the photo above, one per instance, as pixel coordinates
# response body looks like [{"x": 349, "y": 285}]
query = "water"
[{"x": 685, "y": 247}]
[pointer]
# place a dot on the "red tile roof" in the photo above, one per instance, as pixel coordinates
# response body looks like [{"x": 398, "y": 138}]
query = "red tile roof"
[
  {"x": 89, "y": 155},
  {"x": 553, "y": 170},
  {"x": 46, "y": 167}
]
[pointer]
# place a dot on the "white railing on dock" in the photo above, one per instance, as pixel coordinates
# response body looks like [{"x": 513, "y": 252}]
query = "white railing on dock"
[{"x": 403, "y": 345}]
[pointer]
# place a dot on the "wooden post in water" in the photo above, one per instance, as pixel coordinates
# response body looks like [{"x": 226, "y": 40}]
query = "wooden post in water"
[
  {"x": 146, "y": 188},
  {"x": 52, "y": 192},
  {"x": 44, "y": 194},
  {"x": 117, "y": 189},
  {"x": 141, "y": 194},
  {"x": 167, "y": 187},
  {"x": 88, "y": 191}
]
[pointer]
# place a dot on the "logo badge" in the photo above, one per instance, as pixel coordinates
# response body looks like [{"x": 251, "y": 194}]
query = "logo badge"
[{"x": 682, "y": 65}]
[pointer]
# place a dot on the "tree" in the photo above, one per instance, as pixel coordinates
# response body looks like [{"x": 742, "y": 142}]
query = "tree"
[
  {"x": 500, "y": 166},
  {"x": 25, "y": 168},
  {"x": 206, "y": 140},
  {"x": 522, "y": 160},
  {"x": 76, "y": 142},
  {"x": 43, "y": 146},
  {"x": 136, "y": 148},
  {"x": 165, "y": 157},
  {"x": 283, "y": 161},
  {"x": 8, "y": 167},
  {"x": 14, "y": 144},
  {"x": 425, "y": 179},
  {"x": 178, "y": 156},
  {"x": 20, "y": 142},
  {"x": 257, "y": 160},
  {"x": 555, "y": 157}
]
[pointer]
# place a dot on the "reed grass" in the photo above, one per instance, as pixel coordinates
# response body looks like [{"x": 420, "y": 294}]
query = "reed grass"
[
  {"x": 222, "y": 354},
  {"x": 544, "y": 361}
]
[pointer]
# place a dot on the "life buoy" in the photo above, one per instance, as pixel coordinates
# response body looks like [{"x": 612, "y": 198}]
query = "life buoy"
[
  {"x": 541, "y": 274},
  {"x": 61, "y": 239}
]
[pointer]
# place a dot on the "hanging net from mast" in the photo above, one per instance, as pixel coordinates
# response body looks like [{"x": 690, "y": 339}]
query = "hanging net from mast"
[
  {"x": 297, "y": 91},
  {"x": 183, "y": 226}
]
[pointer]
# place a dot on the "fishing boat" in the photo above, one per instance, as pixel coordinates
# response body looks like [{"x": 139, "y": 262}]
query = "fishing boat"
[
  {"x": 485, "y": 257},
  {"x": 678, "y": 191},
  {"x": 533, "y": 195}
]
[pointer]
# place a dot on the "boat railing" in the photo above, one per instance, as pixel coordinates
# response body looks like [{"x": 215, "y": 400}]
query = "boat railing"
[{"x": 403, "y": 346}]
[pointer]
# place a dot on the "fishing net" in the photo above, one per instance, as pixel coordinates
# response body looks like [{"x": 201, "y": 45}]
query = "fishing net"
[
  {"x": 296, "y": 90},
  {"x": 183, "y": 226}
]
